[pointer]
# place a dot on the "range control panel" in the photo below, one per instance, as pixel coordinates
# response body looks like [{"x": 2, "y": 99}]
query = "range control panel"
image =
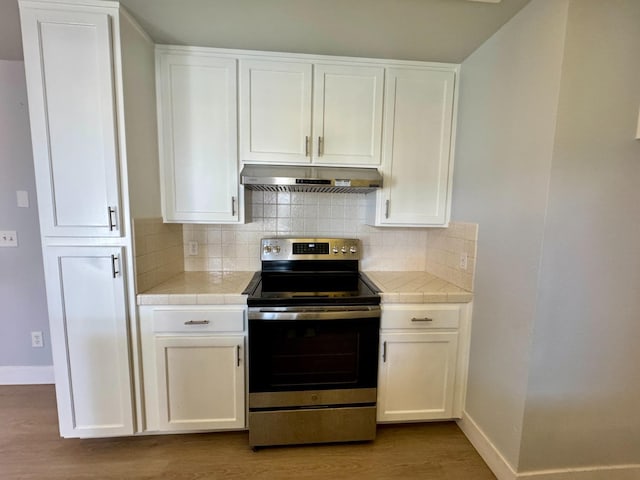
[{"x": 309, "y": 249}]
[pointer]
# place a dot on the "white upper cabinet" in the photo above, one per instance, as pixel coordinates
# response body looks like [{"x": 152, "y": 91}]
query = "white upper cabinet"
[
  {"x": 276, "y": 99},
  {"x": 275, "y": 111},
  {"x": 68, "y": 61},
  {"x": 347, "y": 114},
  {"x": 417, "y": 148},
  {"x": 198, "y": 138}
]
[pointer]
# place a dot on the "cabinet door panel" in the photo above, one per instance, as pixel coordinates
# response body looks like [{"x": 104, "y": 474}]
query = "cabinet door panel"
[
  {"x": 72, "y": 122},
  {"x": 88, "y": 320},
  {"x": 275, "y": 111},
  {"x": 417, "y": 376},
  {"x": 199, "y": 138},
  {"x": 347, "y": 114},
  {"x": 417, "y": 144},
  {"x": 200, "y": 382}
]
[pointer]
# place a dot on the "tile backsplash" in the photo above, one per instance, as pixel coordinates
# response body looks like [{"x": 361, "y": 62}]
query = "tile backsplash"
[
  {"x": 444, "y": 249},
  {"x": 237, "y": 247},
  {"x": 162, "y": 250},
  {"x": 159, "y": 253}
]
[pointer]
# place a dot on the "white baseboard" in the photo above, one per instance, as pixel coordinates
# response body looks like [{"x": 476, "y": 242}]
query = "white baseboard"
[
  {"x": 26, "y": 375},
  {"x": 504, "y": 471},
  {"x": 487, "y": 450},
  {"x": 608, "y": 472}
]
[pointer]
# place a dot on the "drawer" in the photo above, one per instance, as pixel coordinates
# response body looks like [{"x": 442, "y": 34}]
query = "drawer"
[
  {"x": 419, "y": 316},
  {"x": 198, "y": 320}
]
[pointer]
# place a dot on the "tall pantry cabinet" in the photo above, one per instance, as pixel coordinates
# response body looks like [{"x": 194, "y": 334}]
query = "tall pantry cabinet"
[{"x": 94, "y": 162}]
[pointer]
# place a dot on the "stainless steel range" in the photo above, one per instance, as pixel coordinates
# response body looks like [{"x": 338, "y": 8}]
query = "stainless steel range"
[{"x": 314, "y": 324}]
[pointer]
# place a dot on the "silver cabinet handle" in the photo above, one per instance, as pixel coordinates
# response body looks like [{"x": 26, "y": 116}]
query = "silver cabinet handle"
[
  {"x": 306, "y": 146},
  {"x": 115, "y": 271},
  {"x": 238, "y": 355},
  {"x": 425, "y": 319},
  {"x": 233, "y": 206},
  {"x": 197, "y": 322},
  {"x": 320, "y": 146},
  {"x": 384, "y": 352},
  {"x": 386, "y": 209},
  {"x": 113, "y": 223}
]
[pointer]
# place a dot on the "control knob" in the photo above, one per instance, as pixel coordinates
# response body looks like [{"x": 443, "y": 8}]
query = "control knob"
[
  {"x": 343, "y": 249},
  {"x": 267, "y": 249},
  {"x": 335, "y": 250},
  {"x": 276, "y": 249},
  {"x": 353, "y": 249}
]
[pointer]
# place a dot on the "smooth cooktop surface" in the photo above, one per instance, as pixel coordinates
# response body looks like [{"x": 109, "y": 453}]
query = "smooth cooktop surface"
[{"x": 311, "y": 289}]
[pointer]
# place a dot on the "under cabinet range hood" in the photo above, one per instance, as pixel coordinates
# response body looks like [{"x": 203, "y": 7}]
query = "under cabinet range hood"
[{"x": 310, "y": 179}]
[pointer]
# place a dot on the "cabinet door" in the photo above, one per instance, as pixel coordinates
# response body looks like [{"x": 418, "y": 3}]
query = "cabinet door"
[
  {"x": 200, "y": 382},
  {"x": 88, "y": 321},
  {"x": 347, "y": 118},
  {"x": 198, "y": 138},
  {"x": 275, "y": 111},
  {"x": 69, "y": 69},
  {"x": 417, "y": 376},
  {"x": 416, "y": 147}
]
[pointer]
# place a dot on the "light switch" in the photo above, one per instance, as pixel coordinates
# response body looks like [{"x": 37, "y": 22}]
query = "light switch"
[{"x": 22, "y": 197}]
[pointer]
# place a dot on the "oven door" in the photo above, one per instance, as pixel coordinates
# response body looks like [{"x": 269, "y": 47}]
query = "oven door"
[{"x": 303, "y": 349}]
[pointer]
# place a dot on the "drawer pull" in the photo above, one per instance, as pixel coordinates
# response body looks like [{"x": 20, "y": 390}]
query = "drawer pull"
[
  {"x": 197, "y": 322},
  {"x": 425, "y": 319}
]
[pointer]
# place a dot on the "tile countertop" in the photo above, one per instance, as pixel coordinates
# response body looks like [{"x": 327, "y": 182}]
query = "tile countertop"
[
  {"x": 417, "y": 287},
  {"x": 199, "y": 288},
  {"x": 215, "y": 288}
]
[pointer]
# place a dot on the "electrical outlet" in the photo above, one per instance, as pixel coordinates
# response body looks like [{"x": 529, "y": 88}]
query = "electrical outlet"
[
  {"x": 193, "y": 249},
  {"x": 8, "y": 238},
  {"x": 463, "y": 261},
  {"x": 36, "y": 340}
]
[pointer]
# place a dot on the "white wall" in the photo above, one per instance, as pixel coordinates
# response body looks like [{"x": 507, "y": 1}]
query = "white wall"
[
  {"x": 138, "y": 78},
  {"x": 584, "y": 386},
  {"x": 547, "y": 164},
  {"x": 506, "y": 120},
  {"x": 22, "y": 293}
]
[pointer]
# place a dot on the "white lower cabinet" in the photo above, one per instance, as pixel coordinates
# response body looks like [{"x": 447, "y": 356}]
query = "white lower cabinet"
[
  {"x": 423, "y": 362},
  {"x": 417, "y": 375},
  {"x": 89, "y": 337},
  {"x": 194, "y": 368}
]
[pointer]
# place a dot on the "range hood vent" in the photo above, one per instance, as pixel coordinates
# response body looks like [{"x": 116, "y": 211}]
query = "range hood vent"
[{"x": 269, "y": 178}]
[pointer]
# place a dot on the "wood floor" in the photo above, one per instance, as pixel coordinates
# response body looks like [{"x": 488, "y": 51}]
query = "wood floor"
[{"x": 30, "y": 448}]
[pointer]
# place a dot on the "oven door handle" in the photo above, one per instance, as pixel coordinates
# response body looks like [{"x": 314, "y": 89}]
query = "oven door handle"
[{"x": 314, "y": 313}]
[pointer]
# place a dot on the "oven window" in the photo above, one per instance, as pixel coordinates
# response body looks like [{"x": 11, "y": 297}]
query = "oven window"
[{"x": 312, "y": 355}]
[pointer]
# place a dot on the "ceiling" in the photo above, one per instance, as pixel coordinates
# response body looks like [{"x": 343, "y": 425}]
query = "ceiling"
[{"x": 433, "y": 30}]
